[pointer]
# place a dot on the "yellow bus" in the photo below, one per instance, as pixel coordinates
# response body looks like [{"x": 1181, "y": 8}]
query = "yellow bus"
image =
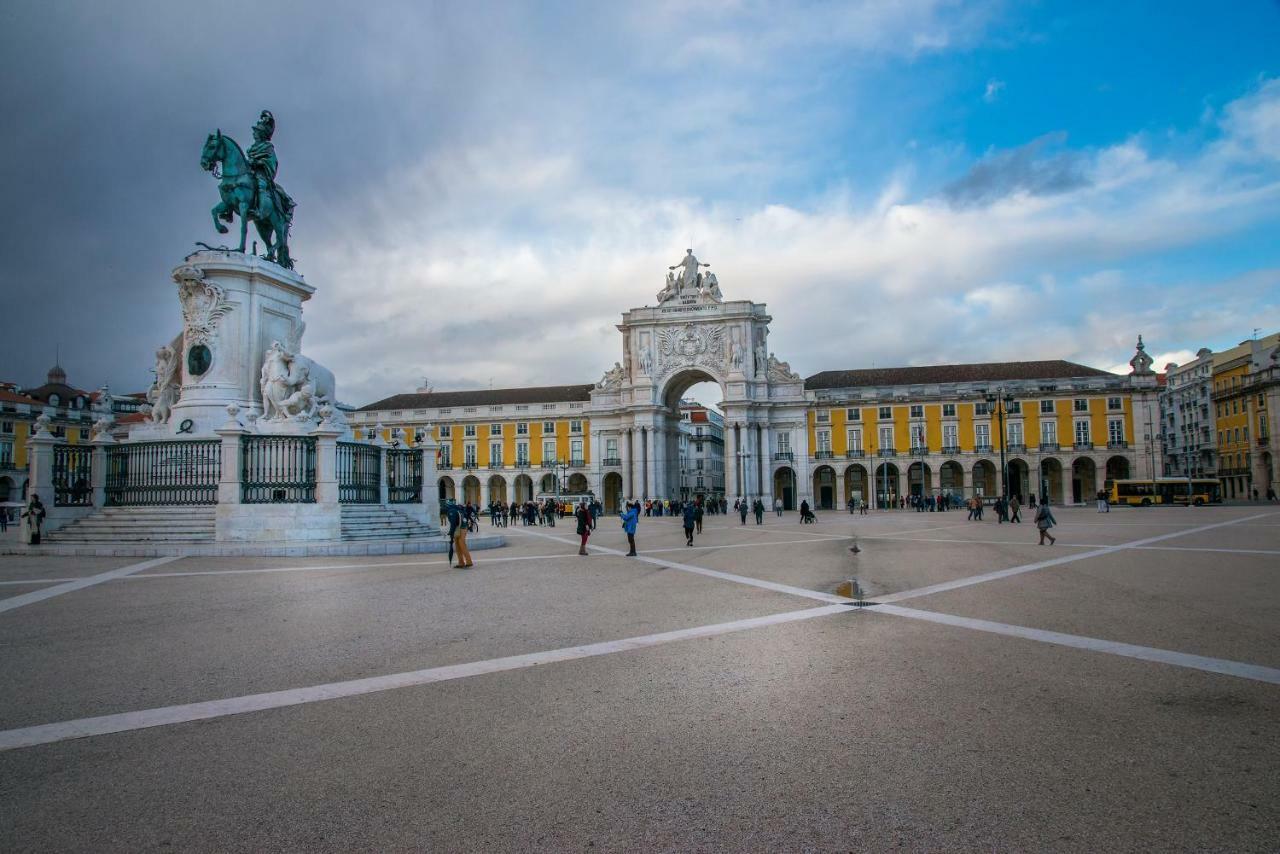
[{"x": 1165, "y": 490}]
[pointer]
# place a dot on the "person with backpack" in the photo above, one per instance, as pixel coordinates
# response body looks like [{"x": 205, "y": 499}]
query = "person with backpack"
[
  {"x": 458, "y": 524},
  {"x": 1045, "y": 521},
  {"x": 742, "y": 509},
  {"x": 689, "y": 521},
  {"x": 630, "y": 521},
  {"x": 758, "y": 508}
]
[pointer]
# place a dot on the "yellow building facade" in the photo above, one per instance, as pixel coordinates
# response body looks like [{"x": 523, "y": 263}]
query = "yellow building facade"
[{"x": 1244, "y": 400}]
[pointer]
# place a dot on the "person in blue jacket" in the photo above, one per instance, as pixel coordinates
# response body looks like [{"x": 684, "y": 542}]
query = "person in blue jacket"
[
  {"x": 690, "y": 514},
  {"x": 630, "y": 520}
]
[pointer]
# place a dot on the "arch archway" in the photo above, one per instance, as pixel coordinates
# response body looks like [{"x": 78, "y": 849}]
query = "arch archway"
[
  {"x": 577, "y": 484},
  {"x": 784, "y": 486},
  {"x": 471, "y": 489},
  {"x": 824, "y": 487},
  {"x": 674, "y": 475},
  {"x": 1051, "y": 480},
  {"x": 1019, "y": 478},
  {"x": 613, "y": 497},
  {"x": 855, "y": 484},
  {"x": 1084, "y": 479},
  {"x": 522, "y": 488},
  {"x": 951, "y": 479},
  {"x": 6, "y": 488},
  {"x": 497, "y": 488},
  {"x": 886, "y": 484},
  {"x": 547, "y": 484},
  {"x": 447, "y": 489},
  {"x": 1117, "y": 468},
  {"x": 916, "y": 484},
  {"x": 986, "y": 479}
]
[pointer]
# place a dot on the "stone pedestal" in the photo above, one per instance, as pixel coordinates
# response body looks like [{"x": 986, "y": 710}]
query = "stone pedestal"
[{"x": 234, "y": 306}]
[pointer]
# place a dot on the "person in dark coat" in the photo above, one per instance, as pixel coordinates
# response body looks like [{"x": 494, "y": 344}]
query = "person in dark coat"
[
  {"x": 758, "y": 508},
  {"x": 1045, "y": 521},
  {"x": 742, "y": 510},
  {"x": 697, "y": 516},
  {"x": 689, "y": 517},
  {"x": 583, "y": 515}
]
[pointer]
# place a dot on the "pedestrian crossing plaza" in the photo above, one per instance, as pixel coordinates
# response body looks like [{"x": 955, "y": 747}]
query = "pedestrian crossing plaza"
[{"x": 889, "y": 680}]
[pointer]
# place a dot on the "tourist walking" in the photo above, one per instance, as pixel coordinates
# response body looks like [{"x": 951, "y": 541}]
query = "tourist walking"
[
  {"x": 697, "y": 515},
  {"x": 1045, "y": 521},
  {"x": 689, "y": 521},
  {"x": 741, "y": 504},
  {"x": 777, "y": 507},
  {"x": 630, "y": 521},
  {"x": 583, "y": 516},
  {"x": 1104, "y": 503},
  {"x": 806, "y": 515},
  {"x": 34, "y": 514},
  {"x": 758, "y": 507},
  {"x": 459, "y": 522},
  {"x": 1013, "y": 510}
]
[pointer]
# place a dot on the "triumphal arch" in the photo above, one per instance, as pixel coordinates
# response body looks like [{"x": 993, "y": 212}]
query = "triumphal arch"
[{"x": 692, "y": 335}]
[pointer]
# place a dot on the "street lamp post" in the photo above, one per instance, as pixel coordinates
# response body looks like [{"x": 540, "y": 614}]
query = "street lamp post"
[{"x": 1001, "y": 400}]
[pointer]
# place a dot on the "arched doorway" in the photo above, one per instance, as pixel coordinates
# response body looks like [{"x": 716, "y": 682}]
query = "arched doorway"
[
  {"x": 856, "y": 487},
  {"x": 1051, "y": 480},
  {"x": 6, "y": 488},
  {"x": 986, "y": 479},
  {"x": 684, "y": 451},
  {"x": 886, "y": 485},
  {"x": 471, "y": 489},
  {"x": 1084, "y": 480},
  {"x": 919, "y": 479},
  {"x": 824, "y": 487},
  {"x": 577, "y": 484},
  {"x": 1267, "y": 476},
  {"x": 522, "y": 488},
  {"x": 447, "y": 489},
  {"x": 1117, "y": 468},
  {"x": 784, "y": 486},
  {"x": 1019, "y": 479},
  {"x": 613, "y": 497},
  {"x": 497, "y": 488},
  {"x": 548, "y": 484},
  {"x": 951, "y": 479}
]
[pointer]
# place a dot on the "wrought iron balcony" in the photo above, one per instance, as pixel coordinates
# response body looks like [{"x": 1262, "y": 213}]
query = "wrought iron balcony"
[
  {"x": 1018, "y": 448},
  {"x": 784, "y": 455},
  {"x": 1117, "y": 444},
  {"x": 444, "y": 466},
  {"x": 823, "y": 455},
  {"x": 522, "y": 464},
  {"x": 887, "y": 452},
  {"x": 1083, "y": 446},
  {"x": 950, "y": 449},
  {"x": 855, "y": 454},
  {"x": 1048, "y": 446},
  {"x": 612, "y": 461},
  {"x": 982, "y": 449},
  {"x": 577, "y": 462}
]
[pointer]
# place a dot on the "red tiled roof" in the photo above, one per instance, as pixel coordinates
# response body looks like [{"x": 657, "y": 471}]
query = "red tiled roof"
[
  {"x": 483, "y": 397},
  {"x": 935, "y": 374}
]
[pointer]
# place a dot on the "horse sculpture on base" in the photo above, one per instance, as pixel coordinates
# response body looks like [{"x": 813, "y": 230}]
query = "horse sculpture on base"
[{"x": 241, "y": 197}]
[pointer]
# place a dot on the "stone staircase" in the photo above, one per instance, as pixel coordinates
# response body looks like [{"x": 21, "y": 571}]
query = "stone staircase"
[
  {"x": 139, "y": 525},
  {"x": 375, "y": 522}
]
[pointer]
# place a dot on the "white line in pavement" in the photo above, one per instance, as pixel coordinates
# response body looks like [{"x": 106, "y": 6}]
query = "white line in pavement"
[
  {"x": 38, "y": 581},
  {"x": 80, "y": 583},
  {"x": 1045, "y": 564},
  {"x": 1079, "y": 545},
  {"x": 128, "y": 721},
  {"x": 713, "y": 573},
  {"x": 1179, "y": 659}
]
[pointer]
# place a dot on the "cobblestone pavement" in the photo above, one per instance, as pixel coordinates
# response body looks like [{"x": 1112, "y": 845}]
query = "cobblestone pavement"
[{"x": 1117, "y": 691}]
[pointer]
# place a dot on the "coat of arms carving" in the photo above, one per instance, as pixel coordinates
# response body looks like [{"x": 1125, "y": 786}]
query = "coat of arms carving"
[
  {"x": 203, "y": 304},
  {"x": 691, "y": 345}
]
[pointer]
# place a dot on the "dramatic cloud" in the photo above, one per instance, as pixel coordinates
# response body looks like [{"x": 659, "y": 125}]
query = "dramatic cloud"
[{"x": 481, "y": 196}]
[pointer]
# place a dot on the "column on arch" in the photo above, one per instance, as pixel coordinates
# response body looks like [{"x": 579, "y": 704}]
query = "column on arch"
[
  {"x": 731, "y": 490},
  {"x": 624, "y": 452},
  {"x": 766, "y": 465},
  {"x": 650, "y": 467}
]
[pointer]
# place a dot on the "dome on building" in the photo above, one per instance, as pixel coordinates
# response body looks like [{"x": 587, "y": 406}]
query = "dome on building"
[{"x": 57, "y": 376}]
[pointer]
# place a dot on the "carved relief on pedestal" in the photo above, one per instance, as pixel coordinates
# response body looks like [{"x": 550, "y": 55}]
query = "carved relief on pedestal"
[
  {"x": 203, "y": 304},
  {"x": 288, "y": 392},
  {"x": 691, "y": 345},
  {"x": 167, "y": 387}
]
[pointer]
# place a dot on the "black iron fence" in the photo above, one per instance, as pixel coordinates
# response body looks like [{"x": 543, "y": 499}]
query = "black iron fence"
[
  {"x": 277, "y": 469},
  {"x": 72, "y": 472},
  {"x": 404, "y": 476},
  {"x": 359, "y": 473},
  {"x": 147, "y": 473}
]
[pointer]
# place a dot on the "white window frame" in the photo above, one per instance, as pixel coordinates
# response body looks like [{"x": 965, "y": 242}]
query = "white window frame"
[
  {"x": 1082, "y": 432},
  {"x": 548, "y": 427},
  {"x": 854, "y": 438},
  {"x": 854, "y": 414},
  {"x": 982, "y": 435}
]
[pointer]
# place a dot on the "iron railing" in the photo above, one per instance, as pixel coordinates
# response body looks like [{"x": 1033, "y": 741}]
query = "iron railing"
[
  {"x": 1051, "y": 447},
  {"x": 784, "y": 456},
  {"x": 854, "y": 454},
  {"x": 142, "y": 474},
  {"x": 278, "y": 469},
  {"x": 982, "y": 449},
  {"x": 887, "y": 452},
  {"x": 950, "y": 449},
  {"x": 404, "y": 476},
  {"x": 823, "y": 455},
  {"x": 612, "y": 461},
  {"x": 1083, "y": 446},
  {"x": 72, "y": 474},
  {"x": 359, "y": 473},
  {"x": 1017, "y": 448}
]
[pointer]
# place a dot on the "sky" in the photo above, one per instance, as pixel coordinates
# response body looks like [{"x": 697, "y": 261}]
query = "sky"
[{"x": 484, "y": 188}]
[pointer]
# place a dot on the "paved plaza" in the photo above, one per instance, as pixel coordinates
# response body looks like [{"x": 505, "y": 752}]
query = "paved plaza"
[{"x": 1120, "y": 690}]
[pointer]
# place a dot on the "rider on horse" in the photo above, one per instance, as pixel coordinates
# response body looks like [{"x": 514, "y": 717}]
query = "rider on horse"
[{"x": 262, "y": 160}]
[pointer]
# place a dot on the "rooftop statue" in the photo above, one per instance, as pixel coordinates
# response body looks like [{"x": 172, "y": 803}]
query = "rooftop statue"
[{"x": 249, "y": 190}]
